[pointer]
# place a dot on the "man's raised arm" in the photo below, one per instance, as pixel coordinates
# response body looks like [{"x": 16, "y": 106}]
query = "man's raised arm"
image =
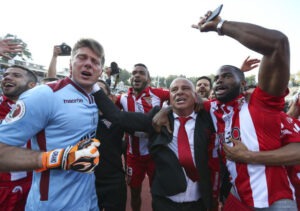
[{"x": 274, "y": 72}]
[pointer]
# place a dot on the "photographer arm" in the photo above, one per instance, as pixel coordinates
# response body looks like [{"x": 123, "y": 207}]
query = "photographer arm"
[{"x": 52, "y": 66}]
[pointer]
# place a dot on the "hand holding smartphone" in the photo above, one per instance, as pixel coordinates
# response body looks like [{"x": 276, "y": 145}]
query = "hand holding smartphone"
[{"x": 215, "y": 13}]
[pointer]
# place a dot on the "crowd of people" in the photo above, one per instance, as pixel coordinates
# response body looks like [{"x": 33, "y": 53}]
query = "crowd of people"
[{"x": 70, "y": 144}]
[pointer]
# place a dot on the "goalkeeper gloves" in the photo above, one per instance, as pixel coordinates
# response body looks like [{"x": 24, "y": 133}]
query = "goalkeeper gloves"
[{"x": 82, "y": 157}]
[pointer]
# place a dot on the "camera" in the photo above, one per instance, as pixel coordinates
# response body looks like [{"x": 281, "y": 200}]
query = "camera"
[{"x": 65, "y": 50}]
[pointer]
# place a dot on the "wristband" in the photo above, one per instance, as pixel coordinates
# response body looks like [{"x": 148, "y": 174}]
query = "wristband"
[
  {"x": 219, "y": 27},
  {"x": 44, "y": 163},
  {"x": 51, "y": 160}
]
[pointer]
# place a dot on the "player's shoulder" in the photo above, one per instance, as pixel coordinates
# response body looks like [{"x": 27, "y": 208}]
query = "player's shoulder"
[
  {"x": 60, "y": 84},
  {"x": 40, "y": 90},
  {"x": 159, "y": 91},
  {"x": 39, "y": 95}
]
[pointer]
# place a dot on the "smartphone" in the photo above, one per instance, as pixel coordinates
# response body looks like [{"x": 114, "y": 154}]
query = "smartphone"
[{"x": 215, "y": 13}]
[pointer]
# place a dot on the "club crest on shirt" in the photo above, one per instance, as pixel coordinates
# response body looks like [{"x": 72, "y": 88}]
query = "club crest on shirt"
[
  {"x": 148, "y": 100},
  {"x": 235, "y": 133},
  {"x": 17, "y": 112}
]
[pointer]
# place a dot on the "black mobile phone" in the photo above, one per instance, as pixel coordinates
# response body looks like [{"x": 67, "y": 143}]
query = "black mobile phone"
[{"x": 215, "y": 13}]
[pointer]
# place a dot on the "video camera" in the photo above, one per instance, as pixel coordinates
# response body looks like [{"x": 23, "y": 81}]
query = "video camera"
[{"x": 65, "y": 50}]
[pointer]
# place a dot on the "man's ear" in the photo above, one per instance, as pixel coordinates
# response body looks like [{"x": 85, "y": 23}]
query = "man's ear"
[
  {"x": 70, "y": 68},
  {"x": 31, "y": 84}
]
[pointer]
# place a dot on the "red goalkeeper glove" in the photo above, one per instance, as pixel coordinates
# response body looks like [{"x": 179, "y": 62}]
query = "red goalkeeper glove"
[{"x": 82, "y": 157}]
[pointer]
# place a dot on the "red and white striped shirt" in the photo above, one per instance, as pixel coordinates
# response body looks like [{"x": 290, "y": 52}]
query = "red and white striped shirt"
[
  {"x": 258, "y": 125},
  {"x": 290, "y": 132},
  {"x": 5, "y": 106},
  {"x": 147, "y": 99}
]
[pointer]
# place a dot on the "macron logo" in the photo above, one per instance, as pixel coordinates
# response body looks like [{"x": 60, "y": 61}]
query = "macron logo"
[
  {"x": 54, "y": 157},
  {"x": 74, "y": 101}
]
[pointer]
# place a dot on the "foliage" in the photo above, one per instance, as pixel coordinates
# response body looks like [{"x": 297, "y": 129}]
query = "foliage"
[
  {"x": 251, "y": 80},
  {"x": 125, "y": 76},
  {"x": 169, "y": 80},
  {"x": 158, "y": 81},
  {"x": 193, "y": 79}
]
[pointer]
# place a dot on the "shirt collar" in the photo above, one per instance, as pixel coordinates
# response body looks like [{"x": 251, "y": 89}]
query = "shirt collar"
[
  {"x": 193, "y": 115},
  {"x": 236, "y": 102},
  {"x": 6, "y": 100},
  {"x": 131, "y": 91}
]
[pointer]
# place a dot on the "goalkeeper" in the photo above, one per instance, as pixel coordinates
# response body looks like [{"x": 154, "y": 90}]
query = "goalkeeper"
[{"x": 61, "y": 120}]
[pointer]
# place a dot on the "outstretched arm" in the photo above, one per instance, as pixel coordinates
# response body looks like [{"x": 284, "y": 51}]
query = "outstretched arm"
[
  {"x": 286, "y": 155},
  {"x": 19, "y": 159},
  {"x": 274, "y": 69},
  {"x": 129, "y": 121},
  {"x": 82, "y": 157}
]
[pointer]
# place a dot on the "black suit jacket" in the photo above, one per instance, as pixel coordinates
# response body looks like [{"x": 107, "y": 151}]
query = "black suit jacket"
[{"x": 169, "y": 178}]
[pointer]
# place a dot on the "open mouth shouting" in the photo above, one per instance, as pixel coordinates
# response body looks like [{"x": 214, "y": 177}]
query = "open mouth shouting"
[
  {"x": 86, "y": 74},
  {"x": 136, "y": 82},
  {"x": 7, "y": 85},
  {"x": 180, "y": 100},
  {"x": 220, "y": 90}
]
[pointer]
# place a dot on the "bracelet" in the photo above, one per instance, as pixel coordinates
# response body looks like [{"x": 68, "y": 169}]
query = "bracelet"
[{"x": 219, "y": 27}]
